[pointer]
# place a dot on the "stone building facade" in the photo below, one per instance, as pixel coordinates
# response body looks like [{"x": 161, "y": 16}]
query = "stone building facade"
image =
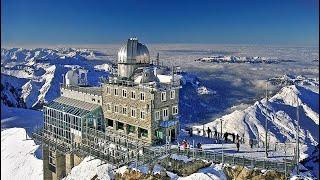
[{"x": 135, "y": 104}]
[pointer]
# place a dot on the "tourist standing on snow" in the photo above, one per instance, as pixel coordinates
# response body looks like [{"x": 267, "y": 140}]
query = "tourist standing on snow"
[
  {"x": 251, "y": 143},
  {"x": 215, "y": 133},
  {"x": 238, "y": 146},
  {"x": 209, "y": 132}
]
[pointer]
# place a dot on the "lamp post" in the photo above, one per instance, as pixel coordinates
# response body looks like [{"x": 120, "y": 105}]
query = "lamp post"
[
  {"x": 266, "y": 125},
  {"x": 297, "y": 136},
  {"x": 221, "y": 139}
]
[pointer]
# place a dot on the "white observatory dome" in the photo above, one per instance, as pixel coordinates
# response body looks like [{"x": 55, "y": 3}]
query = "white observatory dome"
[
  {"x": 71, "y": 77},
  {"x": 133, "y": 52},
  {"x": 131, "y": 56}
]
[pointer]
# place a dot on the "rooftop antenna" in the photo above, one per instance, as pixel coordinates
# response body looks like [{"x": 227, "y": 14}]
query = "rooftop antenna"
[
  {"x": 172, "y": 75},
  {"x": 297, "y": 136},
  {"x": 266, "y": 126},
  {"x": 158, "y": 61}
]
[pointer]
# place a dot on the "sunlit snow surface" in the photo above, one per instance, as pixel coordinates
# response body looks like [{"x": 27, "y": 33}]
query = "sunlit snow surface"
[
  {"x": 213, "y": 91},
  {"x": 18, "y": 159}
]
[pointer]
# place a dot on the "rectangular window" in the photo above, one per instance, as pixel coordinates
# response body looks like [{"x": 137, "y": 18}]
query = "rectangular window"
[
  {"x": 131, "y": 129},
  {"x": 124, "y": 93},
  {"x": 163, "y": 96},
  {"x": 110, "y": 123},
  {"x": 142, "y": 96},
  {"x": 172, "y": 94},
  {"x": 124, "y": 110},
  {"x": 108, "y": 90},
  {"x": 165, "y": 113},
  {"x": 143, "y": 132},
  {"x": 120, "y": 125},
  {"x": 175, "y": 110},
  {"x": 108, "y": 107},
  {"x": 157, "y": 115},
  {"x": 133, "y": 95},
  {"x": 142, "y": 114},
  {"x": 133, "y": 112},
  {"x": 116, "y": 108},
  {"x": 116, "y": 92}
]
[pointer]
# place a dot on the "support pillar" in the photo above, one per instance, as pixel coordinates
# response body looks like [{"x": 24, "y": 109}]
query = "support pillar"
[{"x": 47, "y": 174}]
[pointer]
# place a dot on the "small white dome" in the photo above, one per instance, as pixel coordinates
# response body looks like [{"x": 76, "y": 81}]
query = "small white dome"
[{"x": 71, "y": 77}]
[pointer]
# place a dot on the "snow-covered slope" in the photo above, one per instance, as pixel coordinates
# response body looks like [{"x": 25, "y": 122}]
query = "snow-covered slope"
[
  {"x": 88, "y": 169},
  {"x": 280, "y": 112},
  {"x": 18, "y": 156},
  {"x": 38, "y": 72}
]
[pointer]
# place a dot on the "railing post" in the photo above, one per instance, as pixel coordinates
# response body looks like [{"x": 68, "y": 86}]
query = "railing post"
[
  {"x": 242, "y": 160},
  {"x": 222, "y": 158},
  {"x": 233, "y": 159}
]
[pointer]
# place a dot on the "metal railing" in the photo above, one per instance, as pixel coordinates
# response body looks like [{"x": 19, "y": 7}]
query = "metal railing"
[
  {"x": 128, "y": 151},
  {"x": 232, "y": 159}
]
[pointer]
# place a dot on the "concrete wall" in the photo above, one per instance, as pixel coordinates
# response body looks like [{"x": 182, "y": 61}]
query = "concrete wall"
[
  {"x": 60, "y": 165},
  {"x": 81, "y": 96},
  {"x": 69, "y": 162},
  {"x": 47, "y": 174},
  {"x": 64, "y": 164}
]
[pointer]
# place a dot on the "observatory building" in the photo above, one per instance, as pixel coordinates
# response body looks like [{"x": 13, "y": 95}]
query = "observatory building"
[{"x": 134, "y": 105}]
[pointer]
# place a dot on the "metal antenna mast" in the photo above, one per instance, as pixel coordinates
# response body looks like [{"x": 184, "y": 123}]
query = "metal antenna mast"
[
  {"x": 266, "y": 127},
  {"x": 297, "y": 136},
  {"x": 158, "y": 62}
]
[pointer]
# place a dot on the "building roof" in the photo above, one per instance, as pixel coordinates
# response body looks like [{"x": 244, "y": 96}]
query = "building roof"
[{"x": 72, "y": 106}]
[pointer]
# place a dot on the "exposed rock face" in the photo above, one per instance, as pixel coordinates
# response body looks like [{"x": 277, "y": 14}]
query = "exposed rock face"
[
  {"x": 182, "y": 168},
  {"x": 136, "y": 175},
  {"x": 239, "y": 172}
]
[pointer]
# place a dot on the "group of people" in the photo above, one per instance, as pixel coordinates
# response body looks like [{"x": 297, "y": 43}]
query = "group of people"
[
  {"x": 235, "y": 137},
  {"x": 186, "y": 145}
]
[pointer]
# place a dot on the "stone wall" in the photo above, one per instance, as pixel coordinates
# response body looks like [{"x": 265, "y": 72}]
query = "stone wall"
[{"x": 151, "y": 103}]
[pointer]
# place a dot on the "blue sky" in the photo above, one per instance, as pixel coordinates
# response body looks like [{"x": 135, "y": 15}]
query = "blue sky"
[{"x": 279, "y": 22}]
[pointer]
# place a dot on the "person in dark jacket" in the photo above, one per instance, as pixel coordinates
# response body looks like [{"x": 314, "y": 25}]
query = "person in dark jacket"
[
  {"x": 209, "y": 132},
  {"x": 225, "y": 137},
  {"x": 215, "y": 134},
  {"x": 238, "y": 145},
  {"x": 251, "y": 143}
]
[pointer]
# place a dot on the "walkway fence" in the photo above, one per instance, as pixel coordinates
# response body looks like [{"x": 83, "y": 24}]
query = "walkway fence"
[{"x": 120, "y": 151}]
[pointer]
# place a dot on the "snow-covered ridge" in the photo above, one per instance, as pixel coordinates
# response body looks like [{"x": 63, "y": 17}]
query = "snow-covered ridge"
[
  {"x": 240, "y": 59},
  {"x": 280, "y": 112},
  {"x": 38, "y": 72}
]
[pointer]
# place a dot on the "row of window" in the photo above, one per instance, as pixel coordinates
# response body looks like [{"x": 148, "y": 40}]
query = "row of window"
[
  {"x": 124, "y": 94},
  {"x": 124, "y": 111},
  {"x": 165, "y": 112},
  {"x": 130, "y": 128},
  {"x": 164, "y": 95},
  {"x": 142, "y": 114}
]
